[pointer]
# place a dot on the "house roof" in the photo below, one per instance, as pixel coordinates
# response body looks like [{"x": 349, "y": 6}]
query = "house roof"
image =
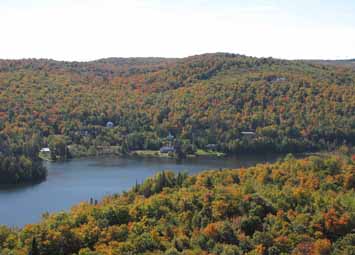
[
  {"x": 247, "y": 133},
  {"x": 167, "y": 148}
]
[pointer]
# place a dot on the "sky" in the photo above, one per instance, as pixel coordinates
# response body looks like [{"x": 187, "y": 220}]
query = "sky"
[{"x": 83, "y": 30}]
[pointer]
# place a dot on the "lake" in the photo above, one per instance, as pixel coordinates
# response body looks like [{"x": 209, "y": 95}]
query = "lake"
[{"x": 78, "y": 180}]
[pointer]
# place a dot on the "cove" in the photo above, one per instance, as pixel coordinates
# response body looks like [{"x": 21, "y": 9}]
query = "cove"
[{"x": 71, "y": 182}]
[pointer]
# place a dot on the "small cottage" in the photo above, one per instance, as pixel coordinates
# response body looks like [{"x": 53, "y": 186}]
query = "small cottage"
[
  {"x": 167, "y": 149},
  {"x": 246, "y": 133}
]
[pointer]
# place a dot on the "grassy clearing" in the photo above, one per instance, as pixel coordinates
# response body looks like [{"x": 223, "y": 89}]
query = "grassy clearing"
[
  {"x": 205, "y": 153},
  {"x": 151, "y": 154}
]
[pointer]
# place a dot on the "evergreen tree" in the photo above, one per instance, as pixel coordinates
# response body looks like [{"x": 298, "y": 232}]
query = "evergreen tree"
[{"x": 34, "y": 248}]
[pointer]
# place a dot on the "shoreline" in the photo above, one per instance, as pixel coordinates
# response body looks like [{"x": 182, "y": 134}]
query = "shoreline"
[{"x": 199, "y": 154}]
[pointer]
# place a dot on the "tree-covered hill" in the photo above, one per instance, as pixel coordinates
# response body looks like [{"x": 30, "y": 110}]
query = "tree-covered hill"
[
  {"x": 344, "y": 62},
  {"x": 291, "y": 207},
  {"x": 291, "y": 106}
]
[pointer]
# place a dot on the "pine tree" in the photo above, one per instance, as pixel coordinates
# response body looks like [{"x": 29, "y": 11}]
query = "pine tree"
[
  {"x": 208, "y": 182},
  {"x": 34, "y": 248}
]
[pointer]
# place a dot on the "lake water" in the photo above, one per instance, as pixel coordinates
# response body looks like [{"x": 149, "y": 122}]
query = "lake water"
[{"x": 78, "y": 180}]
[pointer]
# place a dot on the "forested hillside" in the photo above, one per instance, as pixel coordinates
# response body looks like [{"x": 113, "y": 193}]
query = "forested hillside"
[
  {"x": 291, "y": 207},
  {"x": 290, "y": 106}
]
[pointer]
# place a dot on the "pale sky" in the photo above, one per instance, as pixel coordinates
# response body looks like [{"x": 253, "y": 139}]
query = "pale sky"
[{"x": 86, "y": 29}]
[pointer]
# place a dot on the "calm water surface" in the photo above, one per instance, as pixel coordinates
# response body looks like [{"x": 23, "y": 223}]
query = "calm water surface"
[{"x": 71, "y": 182}]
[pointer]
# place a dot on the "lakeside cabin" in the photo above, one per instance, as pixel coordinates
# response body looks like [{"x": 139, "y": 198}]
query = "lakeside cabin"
[
  {"x": 45, "y": 150},
  {"x": 167, "y": 149}
]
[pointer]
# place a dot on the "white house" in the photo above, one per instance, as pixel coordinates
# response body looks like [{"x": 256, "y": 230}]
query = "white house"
[{"x": 248, "y": 133}]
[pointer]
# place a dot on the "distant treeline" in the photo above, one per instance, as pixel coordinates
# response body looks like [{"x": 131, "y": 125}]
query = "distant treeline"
[{"x": 291, "y": 106}]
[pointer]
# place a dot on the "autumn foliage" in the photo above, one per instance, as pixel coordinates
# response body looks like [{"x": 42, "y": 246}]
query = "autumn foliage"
[
  {"x": 291, "y": 106},
  {"x": 239, "y": 213}
]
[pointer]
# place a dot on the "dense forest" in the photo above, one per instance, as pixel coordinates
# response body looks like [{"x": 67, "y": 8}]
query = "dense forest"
[
  {"x": 211, "y": 99},
  {"x": 19, "y": 160},
  {"x": 304, "y": 206}
]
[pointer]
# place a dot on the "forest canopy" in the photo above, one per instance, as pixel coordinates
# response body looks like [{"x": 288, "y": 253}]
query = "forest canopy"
[
  {"x": 210, "y": 99},
  {"x": 304, "y": 206}
]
